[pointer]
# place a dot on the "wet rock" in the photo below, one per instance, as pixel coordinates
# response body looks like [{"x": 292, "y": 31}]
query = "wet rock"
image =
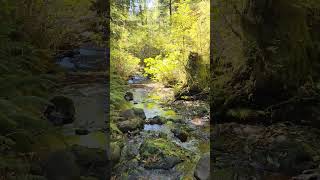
[
  {"x": 127, "y": 114},
  {"x": 180, "y": 134},
  {"x": 157, "y": 120},
  {"x": 82, "y": 131},
  {"x": 139, "y": 112},
  {"x": 130, "y": 150},
  {"x": 61, "y": 111},
  {"x": 132, "y": 113},
  {"x": 160, "y": 154},
  {"x": 202, "y": 171},
  {"x": 128, "y": 96},
  {"x": 130, "y": 125},
  {"x": 61, "y": 165}
]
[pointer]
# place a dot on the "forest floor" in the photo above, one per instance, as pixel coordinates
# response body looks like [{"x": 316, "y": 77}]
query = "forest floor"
[{"x": 171, "y": 139}]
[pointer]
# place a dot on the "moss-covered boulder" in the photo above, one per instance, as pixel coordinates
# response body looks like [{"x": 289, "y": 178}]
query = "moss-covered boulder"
[
  {"x": 157, "y": 120},
  {"x": 130, "y": 125},
  {"x": 161, "y": 154},
  {"x": 133, "y": 113}
]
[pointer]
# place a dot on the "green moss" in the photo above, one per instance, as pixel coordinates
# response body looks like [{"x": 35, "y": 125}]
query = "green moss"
[
  {"x": 162, "y": 147},
  {"x": 204, "y": 147},
  {"x": 114, "y": 128},
  {"x": 155, "y": 97},
  {"x": 169, "y": 124},
  {"x": 187, "y": 167},
  {"x": 150, "y": 105},
  {"x": 170, "y": 114}
]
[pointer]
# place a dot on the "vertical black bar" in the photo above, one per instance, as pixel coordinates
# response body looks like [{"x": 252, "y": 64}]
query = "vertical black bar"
[
  {"x": 210, "y": 94},
  {"x": 104, "y": 13},
  {"x": 107, "y": 40}
]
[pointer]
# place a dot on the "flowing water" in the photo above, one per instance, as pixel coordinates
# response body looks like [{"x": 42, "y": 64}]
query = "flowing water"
[
  {"x": 155, "y": 100},
  {"x": 89, "y": 98}
]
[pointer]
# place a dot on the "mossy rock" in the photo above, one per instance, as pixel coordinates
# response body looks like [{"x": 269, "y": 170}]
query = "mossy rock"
[
  {"x": 161, "y": 154},
  {"x": 157, "y": 120},
  {"x": 130, "y": 125}
]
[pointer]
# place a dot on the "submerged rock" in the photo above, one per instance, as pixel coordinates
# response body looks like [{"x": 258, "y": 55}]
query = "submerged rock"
[{"x": 202, "y": 171}]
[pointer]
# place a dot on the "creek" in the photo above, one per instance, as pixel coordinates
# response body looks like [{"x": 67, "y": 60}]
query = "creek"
[{"x": 181, "y": 137}]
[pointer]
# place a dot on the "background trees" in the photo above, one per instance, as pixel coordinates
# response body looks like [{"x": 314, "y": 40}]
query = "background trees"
[{"x": 161, "y": 34}]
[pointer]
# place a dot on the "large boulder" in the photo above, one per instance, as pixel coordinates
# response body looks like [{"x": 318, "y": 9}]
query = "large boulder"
[
  {"x": 160, "y": 154},
  {"x": 131, "y": 119},
  {"x": 131, "y": 124},
  {"x": 61, "y": 111},
  {"x": 132, "y": 113},
  {"x": 202, "y": 171},
  {"x": 127, "y": 114},
  {"x": 139, "y": 112},
  {"x": 157, "y": 120}
]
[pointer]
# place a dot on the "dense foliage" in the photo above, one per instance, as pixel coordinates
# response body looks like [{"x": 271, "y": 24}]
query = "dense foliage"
[{"x": 159, "y": 36}]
